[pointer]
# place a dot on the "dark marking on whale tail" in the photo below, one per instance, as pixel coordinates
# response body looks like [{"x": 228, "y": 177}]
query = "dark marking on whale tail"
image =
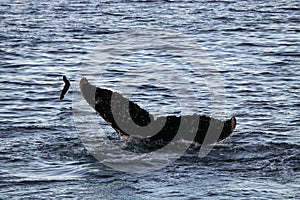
[
  {"x": 104, "y": 100},
  {"x": 65, "y": 88}
]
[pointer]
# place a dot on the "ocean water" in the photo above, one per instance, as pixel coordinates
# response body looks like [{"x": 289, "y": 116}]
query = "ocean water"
[{"x": 253, "y": 45}]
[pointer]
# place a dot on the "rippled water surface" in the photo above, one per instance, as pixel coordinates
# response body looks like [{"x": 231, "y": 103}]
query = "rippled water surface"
[{"x": 254, "y": 45}]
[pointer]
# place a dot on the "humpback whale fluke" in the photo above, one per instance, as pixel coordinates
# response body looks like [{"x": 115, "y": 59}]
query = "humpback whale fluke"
[
  {"x": 66, "y": 87},
  {"x": 105, "y": 103}
]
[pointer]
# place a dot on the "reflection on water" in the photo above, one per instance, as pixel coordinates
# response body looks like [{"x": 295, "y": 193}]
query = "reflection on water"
[{"x": 254, "y": 45}]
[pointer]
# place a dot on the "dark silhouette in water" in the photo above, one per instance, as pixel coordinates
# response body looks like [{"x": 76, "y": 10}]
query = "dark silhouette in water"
[
  {"x": 112, "y": 106},
  {"x": 65, "y": 89}
]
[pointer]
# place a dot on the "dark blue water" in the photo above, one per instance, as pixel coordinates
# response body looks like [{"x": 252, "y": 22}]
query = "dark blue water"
[{"x": 253, "y": 44}]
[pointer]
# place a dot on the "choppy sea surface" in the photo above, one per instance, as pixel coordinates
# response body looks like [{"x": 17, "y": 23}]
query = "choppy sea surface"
[{"x": 254, "y": 45}]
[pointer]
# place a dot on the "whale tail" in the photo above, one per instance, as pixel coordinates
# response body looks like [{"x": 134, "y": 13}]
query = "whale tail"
[{"x": 111, "y": 105}]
